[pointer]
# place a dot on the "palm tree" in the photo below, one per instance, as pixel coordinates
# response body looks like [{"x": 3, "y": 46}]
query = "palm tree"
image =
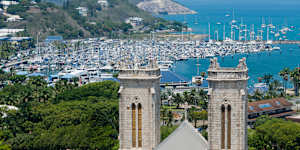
[
  {"x": 267, "y": 78},
  {"x": 203, "y": 99},
  {"x": 203, "y": 74},
  {"x": 170, "y": 118},
  {"x": 285, "y": 76},
  {"x": 177, "y": 99},
  {"x": 276, "y": 84},
  {"x": 194, "y": 115},
  {"x": 257, "y": 95},
  {"x": 164, "y": 115},
  {"x": 193, "y": 97},
  {"x": 295, "y": 77},
  {"x": 186, "y": 97},
  {"x": 203, "y": 116},
  {"x": 163, "y": 96}
]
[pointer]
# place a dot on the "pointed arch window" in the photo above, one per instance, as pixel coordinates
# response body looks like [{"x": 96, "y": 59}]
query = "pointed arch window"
[
  {"x": 223, "y": 127},
  {"x": 139, "y": 125},
  {"x": 133, "y": 113},
  {"x": 228, "y": 127}
]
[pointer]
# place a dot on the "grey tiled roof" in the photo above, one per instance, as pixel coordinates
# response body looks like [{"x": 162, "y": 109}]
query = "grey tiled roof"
[{"x": 185, "y": 137}]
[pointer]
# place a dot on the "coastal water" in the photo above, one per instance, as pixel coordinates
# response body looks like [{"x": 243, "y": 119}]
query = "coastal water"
[
  {"x": 279, "y": 13},
  {"x": 219, "y": 13},
  {"x": 258, "y": 63}
]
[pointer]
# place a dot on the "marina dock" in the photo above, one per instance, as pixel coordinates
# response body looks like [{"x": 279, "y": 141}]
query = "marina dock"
[{"x": 287, "y": 42}]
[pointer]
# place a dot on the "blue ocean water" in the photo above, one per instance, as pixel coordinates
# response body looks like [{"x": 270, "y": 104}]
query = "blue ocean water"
[
  {"x": 258, "y": 63},
  {"x": 280, "y": 13}
]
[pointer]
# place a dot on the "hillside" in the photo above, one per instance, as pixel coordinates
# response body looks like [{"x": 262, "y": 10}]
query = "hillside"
[
  {"x": 164, "y": 7},
  {"x": 49, "y": 19}
]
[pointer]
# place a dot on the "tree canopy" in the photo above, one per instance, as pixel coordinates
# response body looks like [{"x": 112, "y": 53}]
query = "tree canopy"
[
  {"x": 60, "y": 117},
  {"x": 275, "y": 134}
]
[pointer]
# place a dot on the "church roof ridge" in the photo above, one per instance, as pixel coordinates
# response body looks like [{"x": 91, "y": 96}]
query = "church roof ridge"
[{"x": 184, "y": 125}]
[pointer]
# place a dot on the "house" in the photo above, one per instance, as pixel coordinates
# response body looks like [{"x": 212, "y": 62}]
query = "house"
[
  {"x": 134, "y": 21},
  {"x": 103, "y": 3},
  {"x": 83, "y": 11},
  {"x": 277, "y": 107},
  {"x": 14, "y": 18},
  {"x": 6, "y": 4},
  {"x": 6, "y": 32}
]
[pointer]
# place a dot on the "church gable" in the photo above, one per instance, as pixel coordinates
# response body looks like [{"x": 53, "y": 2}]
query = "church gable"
[{"x": 184, "y": 137}]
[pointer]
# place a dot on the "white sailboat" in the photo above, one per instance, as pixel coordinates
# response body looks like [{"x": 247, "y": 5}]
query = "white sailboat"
[{"x": 197, "y": 80}]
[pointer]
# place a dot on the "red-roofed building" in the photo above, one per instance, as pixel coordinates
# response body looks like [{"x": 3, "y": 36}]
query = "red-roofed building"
[{"x": 277, "y": 107}]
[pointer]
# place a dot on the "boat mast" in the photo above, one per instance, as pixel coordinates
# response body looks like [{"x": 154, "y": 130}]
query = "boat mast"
[
  {"x": 224, "y": 33},
  {"x": 209, "y": 32},
  {"x": 268, "y": 33},
  {"x": 198, "y": 65}
]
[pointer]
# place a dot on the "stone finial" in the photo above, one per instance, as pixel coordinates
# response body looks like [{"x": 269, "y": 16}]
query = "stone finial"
[
  {"x": 214, "y": 63},
  {"x": 242, "y": 64},
  {"x": 152, "y": 63}
]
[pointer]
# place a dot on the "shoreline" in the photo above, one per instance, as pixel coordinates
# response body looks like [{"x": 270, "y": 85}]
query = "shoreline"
[{"x": 165, "y": 7}]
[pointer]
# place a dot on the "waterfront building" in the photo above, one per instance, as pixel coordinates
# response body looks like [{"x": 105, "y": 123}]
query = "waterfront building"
[
  {"x": 51, "y": 39},
  {"x": 8, "y": 32},
  {"x": 172, "y": 79},
  {"x": 277, "y": 107}
]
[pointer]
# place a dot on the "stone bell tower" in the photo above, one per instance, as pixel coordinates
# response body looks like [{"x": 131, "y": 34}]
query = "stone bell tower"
[
  {"x": 139, "y": 108},
  {"x": 227, "y": 107}
]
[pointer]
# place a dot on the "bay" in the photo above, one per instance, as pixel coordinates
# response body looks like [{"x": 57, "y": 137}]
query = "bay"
[{"x": 279, "y": 13}]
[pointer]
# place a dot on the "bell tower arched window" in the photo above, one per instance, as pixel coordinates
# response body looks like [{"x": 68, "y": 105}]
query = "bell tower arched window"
[
  {"x": 133, "y": 113},
  {"x": 223, "y": 127},
  {"x": 139, "y": 125},
  {"x": 228, "y": 127}
]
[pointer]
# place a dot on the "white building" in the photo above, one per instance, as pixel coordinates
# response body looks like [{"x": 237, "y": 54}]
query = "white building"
[
  {"x": 13, "y": 18},
  {"x": 8, "y": 3},
  {"x": 103, "y": 3},
  {"x": 6, "y": 32},
  {"x": 134, "y": 21},
  {"x": 83, "y": 11}
]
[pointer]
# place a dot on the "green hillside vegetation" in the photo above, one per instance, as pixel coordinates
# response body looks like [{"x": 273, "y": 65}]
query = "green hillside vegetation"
[
  {"x": 61, "y": 117},
  {"x": 270, "y": 134},
  {"x": 49, "y": 19}
]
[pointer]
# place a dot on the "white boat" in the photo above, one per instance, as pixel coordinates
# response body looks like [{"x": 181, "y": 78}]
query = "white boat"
[
  {"x": 198, "y": 80},
  {"x": 276, "y": 48}
]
